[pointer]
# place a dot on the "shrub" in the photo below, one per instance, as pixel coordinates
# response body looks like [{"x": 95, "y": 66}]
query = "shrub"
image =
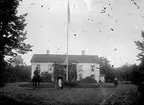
[
  {"x": 18, "y": 74},
  {"x": 141, "y": 88},
  {"x": 45, "y": 77},
  {"x": 88, "y": 79},
  {"x": 70, "y": 83}
]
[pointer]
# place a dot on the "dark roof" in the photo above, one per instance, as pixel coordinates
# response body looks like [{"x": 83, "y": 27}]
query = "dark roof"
[{"x": 45, "y": 58}]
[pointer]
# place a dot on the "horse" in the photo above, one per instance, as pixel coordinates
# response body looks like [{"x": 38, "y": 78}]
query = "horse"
[{"x": 36, "y": 81}]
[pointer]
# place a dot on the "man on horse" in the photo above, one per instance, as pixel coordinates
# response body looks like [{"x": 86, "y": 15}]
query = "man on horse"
[{"x": 36, "y": 78}]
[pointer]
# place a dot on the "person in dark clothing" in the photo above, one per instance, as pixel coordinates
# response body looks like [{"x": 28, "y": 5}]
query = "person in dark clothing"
[
  {"x": 115, "y": 82},
  {"x": 100, "y": 83}
]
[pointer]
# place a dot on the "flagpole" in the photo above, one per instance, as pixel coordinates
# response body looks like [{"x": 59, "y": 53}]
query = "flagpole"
[{"x": 67, "y": 37}]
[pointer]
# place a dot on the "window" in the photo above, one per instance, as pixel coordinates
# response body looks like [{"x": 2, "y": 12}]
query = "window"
[
  {"x": 49, "y": 68},
  {"x": 65, "y": 66},
  {"x": 92, "y": 67},
  {"x": 65, "y": 69},
  {"x": 80, "y": 68},
  {"x": 38, "y": 65}
]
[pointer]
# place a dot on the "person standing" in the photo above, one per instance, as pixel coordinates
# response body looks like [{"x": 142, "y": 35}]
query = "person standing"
[
  {"x": 115, "y": 81},
  {"x": 100, "y": 83},
  {"x": 35, "y": 76},
  {"x": 60, "y": 82}
]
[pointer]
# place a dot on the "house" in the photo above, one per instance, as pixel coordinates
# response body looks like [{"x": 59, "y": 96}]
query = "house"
[{"x": 85, "y": 65}]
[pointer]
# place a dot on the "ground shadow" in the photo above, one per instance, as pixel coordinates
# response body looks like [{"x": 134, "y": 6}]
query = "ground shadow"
[
  {"x": 79, "y": 85},
  {"x": 29, "y": 89},
  {"x": 7, "y": 100}
]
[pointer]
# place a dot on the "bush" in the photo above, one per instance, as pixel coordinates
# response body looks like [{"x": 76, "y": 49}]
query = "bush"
[
  {"x": 2, "y": 71},
  {"x": 70, "y": 83},
  {"x": 141, "y": 88},
  {"x": 128, "y": 73},
  {"x": 88, "y": 79},
  {"x": 18, "y": 74}
]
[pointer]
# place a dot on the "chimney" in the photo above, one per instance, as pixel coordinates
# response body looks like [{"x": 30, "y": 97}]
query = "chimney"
[
  {"x": 83, "y": 52},
  {"x": 47, "y": 51}
]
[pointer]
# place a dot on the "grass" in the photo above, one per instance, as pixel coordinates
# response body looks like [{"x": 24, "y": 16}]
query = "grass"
[
  {"x": 78, "y": 85},
  {"x": 7, "y": 100},
  {"x": 123, "y": 96},
  {"x": 86, "y": 93},
  {"x": 69, "y": 96}
]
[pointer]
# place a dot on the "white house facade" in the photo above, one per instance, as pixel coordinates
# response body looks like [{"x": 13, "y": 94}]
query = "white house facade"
[
  {"x": 86, "y": 65},
  {"x": 88, "y": 69}
]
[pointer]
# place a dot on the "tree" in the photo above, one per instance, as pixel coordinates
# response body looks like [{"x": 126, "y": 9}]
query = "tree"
[
  {"x": 12, "y": 33},
  {"x": 106, "y": 68},
  {"x": 140, "y": 46},
  {"x": 127, "y": 72},
  {"x": 17, "y": 74},
  {"x": 17, "y": 61}
]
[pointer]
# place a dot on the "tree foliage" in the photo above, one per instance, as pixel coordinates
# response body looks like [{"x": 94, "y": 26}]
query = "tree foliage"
[
  {"x": 127, "y": 72},
  {"x": 140, "y": 46},
  {"x": 17, "y": 61},
  {"x": 17, "y": 74},
  {"x": 12, "y": 32},
  {"x": 107, "y": 69}
]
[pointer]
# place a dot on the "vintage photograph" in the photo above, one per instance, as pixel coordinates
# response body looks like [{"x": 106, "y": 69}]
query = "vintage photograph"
[{"x": 72, "y": 52}]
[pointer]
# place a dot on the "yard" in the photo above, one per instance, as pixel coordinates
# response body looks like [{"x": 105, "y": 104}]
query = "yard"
[{"x": 49, "y": 95}]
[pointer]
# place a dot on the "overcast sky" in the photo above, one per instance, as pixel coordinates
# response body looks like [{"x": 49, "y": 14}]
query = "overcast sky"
[{"x": 100, "y": 27}]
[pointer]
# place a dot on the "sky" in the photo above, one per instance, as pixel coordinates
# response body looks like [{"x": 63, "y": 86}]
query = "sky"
[{"x": 100, "y": 27}]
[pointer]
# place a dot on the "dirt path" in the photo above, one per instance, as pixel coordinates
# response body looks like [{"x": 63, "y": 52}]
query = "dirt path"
[{"x": 51, "y": 95}]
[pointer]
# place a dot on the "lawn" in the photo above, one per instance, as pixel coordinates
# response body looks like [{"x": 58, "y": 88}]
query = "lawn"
[
  {"x": 47, "y": 94},
  {"x": 79, "y": 85}
]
